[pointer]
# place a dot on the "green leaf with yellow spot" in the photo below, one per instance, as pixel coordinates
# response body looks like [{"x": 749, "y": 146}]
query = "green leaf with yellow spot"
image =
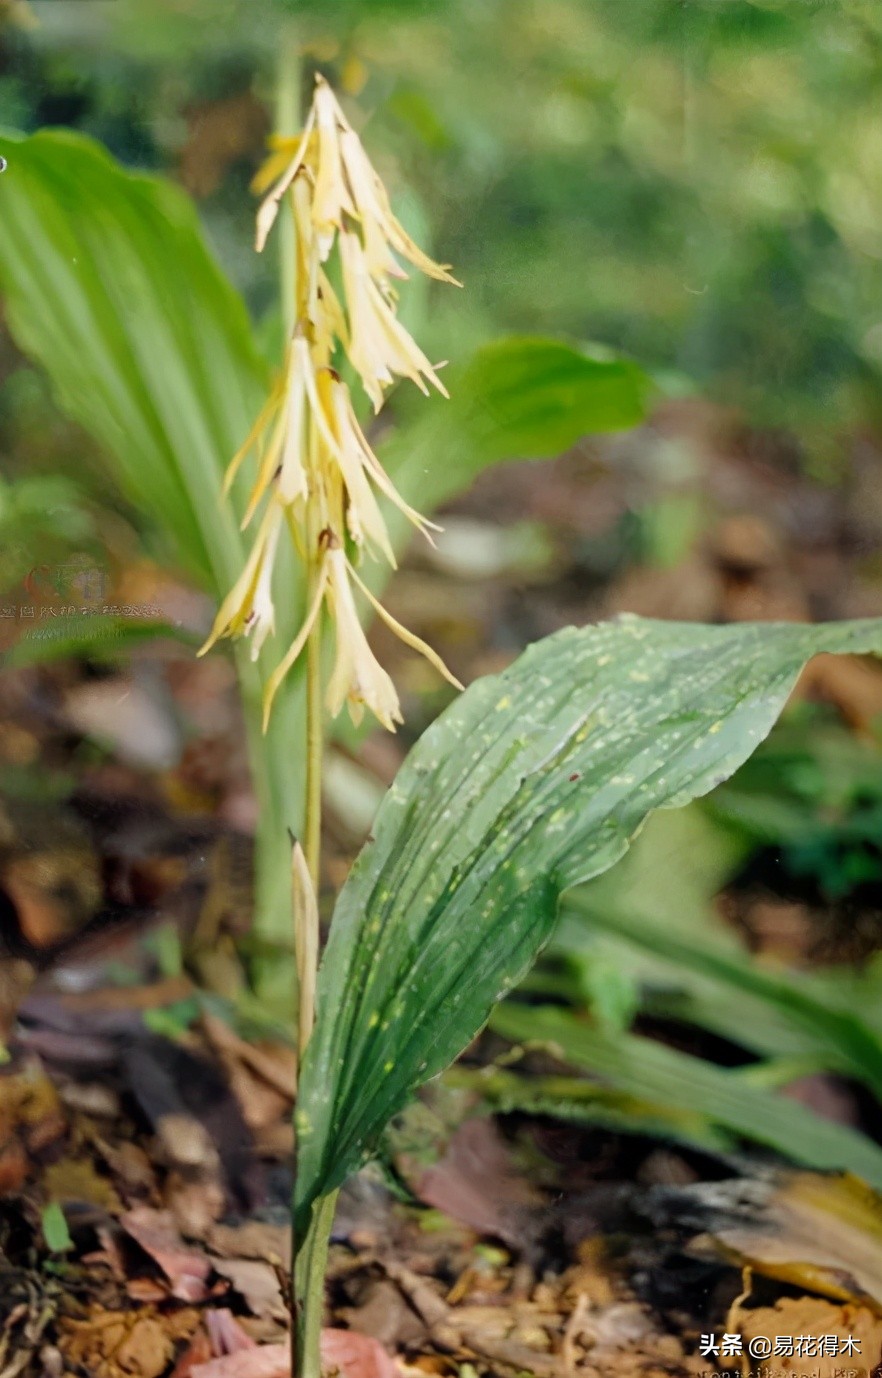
[{"x": 533, "y": 781}]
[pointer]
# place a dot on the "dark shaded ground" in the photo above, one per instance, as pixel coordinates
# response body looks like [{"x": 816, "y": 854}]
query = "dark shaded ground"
[{"x": 144, "y": 1100}]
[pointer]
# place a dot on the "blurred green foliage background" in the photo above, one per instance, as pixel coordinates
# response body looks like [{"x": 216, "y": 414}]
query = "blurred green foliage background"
[{"x": 697, "y": 182}]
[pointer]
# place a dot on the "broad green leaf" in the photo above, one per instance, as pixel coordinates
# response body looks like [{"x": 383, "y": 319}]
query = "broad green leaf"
[
  {"x": 109, "y": 285},
  {"x": 577, "y": 1100},
  {"x": 530, "y": 397},
  {"x": 532, "y": 782},
  {"x": 522, "y": 397},
  {"x": 651, "y": 1072}
]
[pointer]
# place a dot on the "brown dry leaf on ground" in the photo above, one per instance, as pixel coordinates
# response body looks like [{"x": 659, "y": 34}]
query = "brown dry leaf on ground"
[
  {"x": 351, "y": 1354},
  {"x": 133, "y": 1172},
  {"x": 198, "y": 1351},
  {"x": 31, "y": 1119},
  {"x": 185, "y": 1268},
  {"x": 820, "y": 1233},
  {"x": 257, "y": 1284},
  {"x": 49, "y": 872},
  {"x": 582, "y": 1323},
  {"x": 570, "y": 1337},
  {"x": 808, "y": 1316},
  {"x": 74, "y": 1181},
  {"x": 261, "y": 1075},
  {"x": 384, "y": 1314},
  {"x": 477, "y": 1183},
  {"x": 252, "y": 1239},
  {"x": 267, "y": 1361},
  {"x": 124, "y": 1344},
  {"x": 356, "y": 1356}
]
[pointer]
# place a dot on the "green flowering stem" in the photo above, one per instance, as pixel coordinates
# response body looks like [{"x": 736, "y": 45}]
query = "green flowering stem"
[
  {"x": 278, "y": 782},
  {"x": 289, "y": 74},
  {"x": 308, "y": 1262},
  {"x": 315, "y": 726},
  {"x": 309, "y": 1289},
  {"x": 278, "y": 787}
]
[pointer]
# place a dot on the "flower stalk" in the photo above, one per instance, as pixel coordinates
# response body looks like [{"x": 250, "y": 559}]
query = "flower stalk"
[{"x": 318, "y": 484}]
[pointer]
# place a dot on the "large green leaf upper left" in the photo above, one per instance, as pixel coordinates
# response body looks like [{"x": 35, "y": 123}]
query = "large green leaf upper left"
[
  {"x": 107, "y": 282},
  {"x": 531, "y": 782}
]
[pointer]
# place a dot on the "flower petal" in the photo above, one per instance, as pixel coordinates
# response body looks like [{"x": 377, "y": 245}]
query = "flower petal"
[
  {"x": 296, "y": 648},
  {"x": 357, "y": 675},
  {"x": 409, "y": 638},
  {"x": 269, "y": 207}
]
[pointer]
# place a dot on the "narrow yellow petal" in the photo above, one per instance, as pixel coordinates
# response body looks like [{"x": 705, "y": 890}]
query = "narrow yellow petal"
[
  {"x": 403, "y": 354},
  {"x": 372, "y": 205},
  {"x": 268, "y": 466},
  {"x": 296, "y": 648},
  {"x": 379, "y": 346},
  {"x": 331, "y": 323},
  {"x": 408, "y": 637},
  {"x": 323, "y": 420},
  {"x": 292, "y": 482},
  {"x": 269, "y": 207},
  {"x": 331, "y": 199},
  {"x": 282, "y": 150},
  {"x": 376, "y": 471},
  {"x": 363, "y": 514},
  {"x": 357, "y": 675},
  {"x": 248, "y": 444},
  {"x": 235, "y": 610}
]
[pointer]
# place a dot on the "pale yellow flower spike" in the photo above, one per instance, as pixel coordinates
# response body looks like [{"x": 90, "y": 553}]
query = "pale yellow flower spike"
[{"x": 316, "y": 471}]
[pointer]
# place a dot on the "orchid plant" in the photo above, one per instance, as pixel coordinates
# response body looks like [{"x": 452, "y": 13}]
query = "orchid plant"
[{"x": 532, "y": 781}]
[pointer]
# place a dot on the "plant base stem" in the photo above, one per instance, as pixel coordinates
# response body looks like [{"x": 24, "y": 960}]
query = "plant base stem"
[
  {"x": 309, "y": 1289},
  {"x": 314, "y": 755}
]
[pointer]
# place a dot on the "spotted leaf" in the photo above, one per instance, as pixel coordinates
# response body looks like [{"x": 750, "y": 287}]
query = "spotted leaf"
[{"x": 533, "y": 781}]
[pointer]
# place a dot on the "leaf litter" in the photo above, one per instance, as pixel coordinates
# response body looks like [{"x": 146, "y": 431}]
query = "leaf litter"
[
  {"x": 507, "y": 1271},
  {"x": 544, "y": 1271}
]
